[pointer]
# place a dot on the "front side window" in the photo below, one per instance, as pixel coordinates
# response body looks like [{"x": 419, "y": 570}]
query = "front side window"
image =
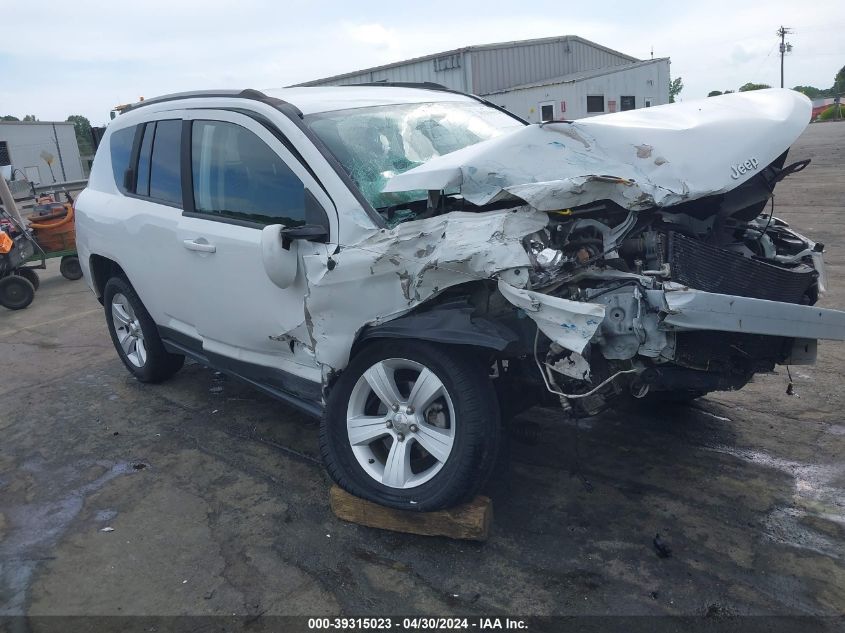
[
  {"x": 595, "y": 103},
  {"x": 165, "y": 167},
  {"x": 373, "y": 144},
  {"x": 120, "y": 148},
  {"x": 238, "y": 176}
]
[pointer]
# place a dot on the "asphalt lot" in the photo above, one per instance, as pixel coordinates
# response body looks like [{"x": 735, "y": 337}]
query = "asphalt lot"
[{"x": 219, "y": 505}]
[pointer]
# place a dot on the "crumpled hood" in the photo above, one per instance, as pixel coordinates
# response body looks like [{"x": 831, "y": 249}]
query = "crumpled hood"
[{"x": 642, "y": 158}]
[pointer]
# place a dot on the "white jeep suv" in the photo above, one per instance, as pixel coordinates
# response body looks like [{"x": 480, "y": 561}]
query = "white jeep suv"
[{"x": 413, "y": 264}]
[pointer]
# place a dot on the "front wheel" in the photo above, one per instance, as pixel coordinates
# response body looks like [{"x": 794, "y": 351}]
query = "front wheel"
[
  {"x": 411, "y": 425},
  {"x": 135, "y": 335}
]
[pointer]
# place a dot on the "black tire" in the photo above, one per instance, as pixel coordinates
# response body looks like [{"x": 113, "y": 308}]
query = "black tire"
[
  {"x": 30, "y": 275},
  {"x": 16, "y": 292},
  {"x": 70, "y": 268},
  {"x": 159, "y": 364},
  {"x": 477, "y": 428}
]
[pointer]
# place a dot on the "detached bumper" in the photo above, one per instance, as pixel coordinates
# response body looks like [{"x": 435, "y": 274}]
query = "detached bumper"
[{"x": 688, "y": 309}]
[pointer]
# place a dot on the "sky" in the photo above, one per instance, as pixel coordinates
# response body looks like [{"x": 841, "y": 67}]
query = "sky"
[{"x": 59, "y": 58}]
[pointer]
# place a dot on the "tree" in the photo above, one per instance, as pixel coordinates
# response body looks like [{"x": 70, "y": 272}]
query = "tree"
[
  {"x": 810, "y": 92},
  {"x": 838, "y": 83},
  {"x": 715, "y": 93},
  {"x": 752, "y": 86},
  {"x": 9, "y": 117},
  {"x": 30, "y": 117},
  {"x": 675, "y": 87},
  {"x": 82, "y": 127}
]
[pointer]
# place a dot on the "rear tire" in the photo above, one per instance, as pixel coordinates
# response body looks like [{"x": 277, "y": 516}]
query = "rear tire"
[
  {"x": 16, "y": 292},
  {"x": 30, "y": 275},
  {"x": 435, "y": 449},
  {"x": 70, "y": 268},
  {"x": 135, "y": 335}
]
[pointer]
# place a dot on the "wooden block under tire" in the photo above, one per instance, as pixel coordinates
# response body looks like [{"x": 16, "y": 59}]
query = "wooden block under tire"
[{"x": 470, "y": 521}]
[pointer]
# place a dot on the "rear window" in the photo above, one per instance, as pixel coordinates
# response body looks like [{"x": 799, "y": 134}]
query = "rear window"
[
  {"x": 121, "y": 152},
  {"x": 142, "y": 179},
  {"x": 165, "y": 165}
]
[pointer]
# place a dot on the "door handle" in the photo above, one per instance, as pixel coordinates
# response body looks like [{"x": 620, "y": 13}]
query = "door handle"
[{"x": 202, "y": 247}]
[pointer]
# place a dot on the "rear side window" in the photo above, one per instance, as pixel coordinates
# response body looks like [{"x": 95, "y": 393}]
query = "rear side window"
[
  {"x": 120, "y": 146},
  {"x": 237, "y": 175},
  {"x": 142, "y": 186},
  {"x": 165, "y": 169}
]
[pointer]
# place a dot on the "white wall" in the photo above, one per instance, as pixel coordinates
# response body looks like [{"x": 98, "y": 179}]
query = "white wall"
[
  {"x": 650, "y": 81},
  {"x": 27, "y": 140}
]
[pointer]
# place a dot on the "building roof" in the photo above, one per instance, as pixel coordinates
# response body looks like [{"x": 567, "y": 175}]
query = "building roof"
[
  {"x": 35, "y": 123},
  {"x": 580, "y": 75},
  {"x": 465, "y": 49}
]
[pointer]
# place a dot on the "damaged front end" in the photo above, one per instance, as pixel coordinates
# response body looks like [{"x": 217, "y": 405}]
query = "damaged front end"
[
  {"x": 671, "y": 311},
  {"x": 659, "y": 268}
]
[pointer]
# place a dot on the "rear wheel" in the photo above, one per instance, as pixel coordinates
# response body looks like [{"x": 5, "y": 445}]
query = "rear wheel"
[
  {"x": 411, "y": 425},
  {"x": 70, "y": 268},
  {"x": 16, "y": 292},
  {"x": 30, "y": 275},
  {"x": 135, "y": 335}
]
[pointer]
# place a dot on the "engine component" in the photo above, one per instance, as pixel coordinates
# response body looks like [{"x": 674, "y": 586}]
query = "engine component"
[
  {"x": 704, "y": 267},
  {"x": 649, "y": 246}
]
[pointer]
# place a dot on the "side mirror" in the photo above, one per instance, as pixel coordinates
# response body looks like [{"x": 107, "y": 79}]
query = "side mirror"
[
  {"x": 280, "y": 263},
  {"x": 278, "y": 252},
  {"x": 310, "y": 232}
]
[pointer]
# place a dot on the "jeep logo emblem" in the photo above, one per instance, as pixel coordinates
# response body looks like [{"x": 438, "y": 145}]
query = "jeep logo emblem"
[{"x": 743, "y": 168}]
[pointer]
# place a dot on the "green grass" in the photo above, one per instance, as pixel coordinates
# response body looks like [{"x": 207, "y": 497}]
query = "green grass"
[{"x": 830, "y": 113}]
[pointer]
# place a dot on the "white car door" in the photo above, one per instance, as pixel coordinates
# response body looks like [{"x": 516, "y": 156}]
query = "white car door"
[
  {"x": 242, "y": 179},
  {"x": 149, "y": 217}
]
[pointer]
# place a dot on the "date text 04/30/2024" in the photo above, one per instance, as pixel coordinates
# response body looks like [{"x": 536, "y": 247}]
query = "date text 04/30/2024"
[{"x": 417, "y": 623}]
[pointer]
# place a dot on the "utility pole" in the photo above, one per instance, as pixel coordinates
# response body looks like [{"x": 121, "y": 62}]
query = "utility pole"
[{"x": 785, "y": 47}]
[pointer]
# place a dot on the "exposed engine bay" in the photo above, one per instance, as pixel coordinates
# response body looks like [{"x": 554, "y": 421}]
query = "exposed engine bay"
[{"x": 604, "y": 254}]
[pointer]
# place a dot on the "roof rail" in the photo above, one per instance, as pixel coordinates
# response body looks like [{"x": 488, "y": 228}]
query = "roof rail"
[
  {"x": 249, "y": 93},
  {"x": 428, "y": 85}
]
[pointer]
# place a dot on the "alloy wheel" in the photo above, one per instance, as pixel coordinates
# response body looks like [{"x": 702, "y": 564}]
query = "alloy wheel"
[{"x": 400, "y": 423}]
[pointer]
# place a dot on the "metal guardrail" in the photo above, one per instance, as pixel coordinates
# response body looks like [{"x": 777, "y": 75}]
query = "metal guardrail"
[
  {"x": 22, "y": 191},
  {"x": 58, "y": 187}
]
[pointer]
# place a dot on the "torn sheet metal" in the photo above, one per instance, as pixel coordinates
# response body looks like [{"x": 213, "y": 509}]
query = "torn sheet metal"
[
  {"x": 391, "y": 271},
  {"x": 570, "y": 324},
  {"x": 642, "y": 158},
  {"x": 690, "y": 309}
]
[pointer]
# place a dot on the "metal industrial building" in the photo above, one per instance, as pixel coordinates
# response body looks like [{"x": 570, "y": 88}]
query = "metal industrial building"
[
  {"x": 42, "y": 152},
  {"x": 564, "y": 77}
]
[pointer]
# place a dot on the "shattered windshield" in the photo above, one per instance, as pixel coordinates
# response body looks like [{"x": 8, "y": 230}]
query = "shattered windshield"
[{"x": 376, "y": 143}]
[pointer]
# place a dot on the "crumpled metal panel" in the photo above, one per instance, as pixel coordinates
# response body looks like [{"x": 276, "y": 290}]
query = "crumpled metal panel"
[
  {"x": 390, "y": 271},
  {"x": 570, "y": 324},
  {"x": 690, "y": 309},
  {"x": 639, "y": 159}
]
